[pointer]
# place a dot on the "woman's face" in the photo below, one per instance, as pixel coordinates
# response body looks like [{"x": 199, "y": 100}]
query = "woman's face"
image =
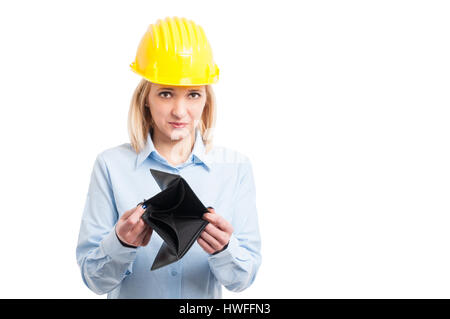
[{"x": 172, "y": 105}]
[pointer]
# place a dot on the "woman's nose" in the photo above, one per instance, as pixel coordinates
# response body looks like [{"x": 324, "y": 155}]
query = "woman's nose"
[{"x": 179, "y": 108}]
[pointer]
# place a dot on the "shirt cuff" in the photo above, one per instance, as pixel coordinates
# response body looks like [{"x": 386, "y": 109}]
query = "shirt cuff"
[
  {"x": 125, "y": 244},
  {"x": 227, "y": 255},
  {"x": 219, "y": 251},
  {"x": 113, "y": 248}
]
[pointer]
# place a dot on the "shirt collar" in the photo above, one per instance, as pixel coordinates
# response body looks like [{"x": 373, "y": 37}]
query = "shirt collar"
[{"x": 198, "y": 151}]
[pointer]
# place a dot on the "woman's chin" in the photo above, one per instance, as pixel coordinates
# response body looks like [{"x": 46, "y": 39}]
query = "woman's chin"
[{"x": 179, "y": 134}]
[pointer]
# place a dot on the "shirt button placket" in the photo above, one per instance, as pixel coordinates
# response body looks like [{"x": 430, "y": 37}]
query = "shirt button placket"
[
  {"x": 175, "y": 272},
  {"x": 176, "y": 277}
]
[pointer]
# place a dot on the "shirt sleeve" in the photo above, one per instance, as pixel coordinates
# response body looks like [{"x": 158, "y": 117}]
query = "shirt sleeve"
[
  {"x": 104, "y": 262},
  {"x": 237, "y": 265}
]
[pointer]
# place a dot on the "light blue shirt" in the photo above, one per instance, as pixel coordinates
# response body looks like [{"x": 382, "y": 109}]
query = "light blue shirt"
[{"x": 120, "y": 179}]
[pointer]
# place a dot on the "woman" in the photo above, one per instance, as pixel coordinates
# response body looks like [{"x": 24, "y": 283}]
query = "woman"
[{"x": 171, "y": 117}]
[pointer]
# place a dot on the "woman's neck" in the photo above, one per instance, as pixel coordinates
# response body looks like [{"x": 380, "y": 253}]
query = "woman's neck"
[{"x": 174, "y": 151}]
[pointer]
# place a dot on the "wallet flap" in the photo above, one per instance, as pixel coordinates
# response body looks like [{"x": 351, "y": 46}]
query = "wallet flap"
[
  {"x": 189, "y": 230},
  {"x": 165, "y": 256},
  {"x": 168, "y": 200},
  {"x": 164, "y": 179},
  {"x": 166, "y": 230},
  {"x": 191, "y": 206}
]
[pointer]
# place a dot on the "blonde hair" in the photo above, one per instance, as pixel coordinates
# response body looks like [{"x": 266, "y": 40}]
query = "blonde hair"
[{"x": 140, "y": 121}]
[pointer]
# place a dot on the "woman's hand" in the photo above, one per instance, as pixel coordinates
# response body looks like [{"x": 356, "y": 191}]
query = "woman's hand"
[
  {"x": 216, "y": 234},
  {"x": 132, "y": 230}
]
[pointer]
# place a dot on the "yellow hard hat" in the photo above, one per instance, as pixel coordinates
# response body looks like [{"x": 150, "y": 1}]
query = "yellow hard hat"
[{"x": 175, "y": 51}]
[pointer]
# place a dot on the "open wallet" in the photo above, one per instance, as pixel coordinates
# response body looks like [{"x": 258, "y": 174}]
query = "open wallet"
[{"x": 175, "y": 214}]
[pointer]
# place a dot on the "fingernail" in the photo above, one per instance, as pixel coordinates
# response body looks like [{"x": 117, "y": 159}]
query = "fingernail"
[{"x": 210, "y": 207}]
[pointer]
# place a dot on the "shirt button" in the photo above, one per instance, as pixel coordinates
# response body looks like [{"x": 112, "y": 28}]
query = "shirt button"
[{"x": 174, "y": 273}]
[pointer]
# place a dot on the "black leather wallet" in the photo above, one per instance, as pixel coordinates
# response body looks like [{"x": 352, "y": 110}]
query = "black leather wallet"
[{"x": 175, "y": 214}]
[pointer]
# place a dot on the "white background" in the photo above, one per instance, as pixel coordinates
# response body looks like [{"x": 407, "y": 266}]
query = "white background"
[{"x": 342, "y": 106}]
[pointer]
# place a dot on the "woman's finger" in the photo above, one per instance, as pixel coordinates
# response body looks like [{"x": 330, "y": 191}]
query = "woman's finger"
[
  {"x": 219, "y": 235},
  {"x": 219, "y": 222},
  {"x": 211, "y": 241},
  {"x": 147, "y": 236},
  {"x": 206, "y": 247},
  {"x": 129, "y": 219},
  {"x": 138, "y": 228},
  {"x": 129, "y": 212},
  {"x": 140, "y": 238}
]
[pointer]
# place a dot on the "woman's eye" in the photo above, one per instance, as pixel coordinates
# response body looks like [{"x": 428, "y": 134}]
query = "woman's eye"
[
  {"x": 197, "y": 95},
  {"x": 165, "y": 94}
]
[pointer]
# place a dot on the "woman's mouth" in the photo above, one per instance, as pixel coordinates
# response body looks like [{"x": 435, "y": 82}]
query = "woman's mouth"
[{"x": 178, "y": 124}]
